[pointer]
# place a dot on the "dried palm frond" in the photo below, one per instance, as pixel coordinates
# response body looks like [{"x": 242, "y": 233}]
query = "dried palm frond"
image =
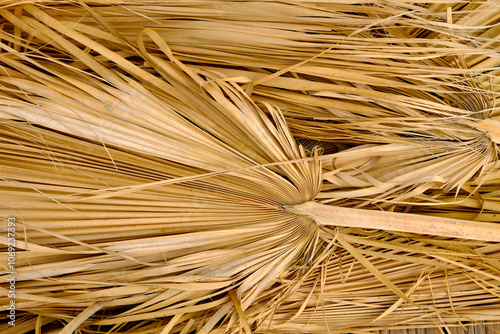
[{"x": 161, "y": 159}]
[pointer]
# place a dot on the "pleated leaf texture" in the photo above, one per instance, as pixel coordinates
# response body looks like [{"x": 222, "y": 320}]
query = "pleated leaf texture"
[{"x": 250, "y": 166}]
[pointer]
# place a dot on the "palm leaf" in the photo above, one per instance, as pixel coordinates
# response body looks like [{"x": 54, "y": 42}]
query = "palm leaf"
[{"x": 158, "y": 166}]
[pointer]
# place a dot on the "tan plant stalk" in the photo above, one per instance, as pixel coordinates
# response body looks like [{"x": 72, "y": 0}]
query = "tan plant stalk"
[{"x": 326, "y": 215}]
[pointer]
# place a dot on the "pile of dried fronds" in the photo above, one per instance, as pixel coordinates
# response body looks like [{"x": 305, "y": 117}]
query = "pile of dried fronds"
[{"x": 162, "y": 158}]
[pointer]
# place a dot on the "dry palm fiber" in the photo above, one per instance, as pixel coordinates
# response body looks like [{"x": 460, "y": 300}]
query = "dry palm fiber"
[{"x": 146, "y": 153}]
